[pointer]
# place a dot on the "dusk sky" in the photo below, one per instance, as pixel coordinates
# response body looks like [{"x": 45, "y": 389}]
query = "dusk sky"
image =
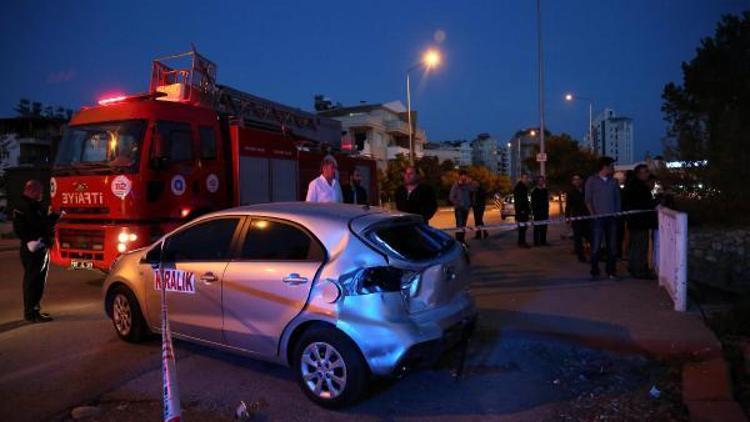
[{"x": 620, "y": 53}]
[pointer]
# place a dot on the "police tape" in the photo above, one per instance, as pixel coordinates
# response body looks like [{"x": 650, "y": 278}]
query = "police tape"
[
  {"x": 547, "y": 222},
  {"x": 171, "y": 394}
]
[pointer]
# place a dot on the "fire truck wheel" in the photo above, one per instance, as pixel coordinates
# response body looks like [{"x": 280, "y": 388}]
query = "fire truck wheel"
[{"x": 127, "y": 317}]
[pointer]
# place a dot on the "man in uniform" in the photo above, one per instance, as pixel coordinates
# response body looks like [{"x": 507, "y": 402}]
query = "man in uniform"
[{"x": 34, "y": 226}]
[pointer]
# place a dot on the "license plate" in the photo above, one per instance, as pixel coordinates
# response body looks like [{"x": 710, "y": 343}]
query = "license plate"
[{"x": 81, "y": 265}]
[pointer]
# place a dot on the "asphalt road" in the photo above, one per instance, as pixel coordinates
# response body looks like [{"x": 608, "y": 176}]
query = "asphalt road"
[{"x": 48, "y": 369}]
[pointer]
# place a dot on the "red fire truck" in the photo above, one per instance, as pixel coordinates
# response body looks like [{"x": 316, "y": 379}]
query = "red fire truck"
[{"x": 134, "y": 167}]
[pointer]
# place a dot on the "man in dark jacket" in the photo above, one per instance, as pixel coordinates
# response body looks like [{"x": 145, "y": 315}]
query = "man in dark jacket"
[
  {"x": 540, "y": 209},
  {"x": 415, "y": 197},
  {"x": 34, "y": 226},
  {"x": 354, "y": 193},
  {"x": 575, "y": 206},
  {"x": 637, "y": 196},
  {"x": 522, "y": 207}
]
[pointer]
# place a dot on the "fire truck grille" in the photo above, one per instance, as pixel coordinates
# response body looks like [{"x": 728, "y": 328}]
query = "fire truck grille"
[{"x": 82, "y": 240}]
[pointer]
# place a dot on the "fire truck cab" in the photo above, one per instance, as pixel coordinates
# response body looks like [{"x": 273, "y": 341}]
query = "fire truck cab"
[{"x": 134, "y": 167}]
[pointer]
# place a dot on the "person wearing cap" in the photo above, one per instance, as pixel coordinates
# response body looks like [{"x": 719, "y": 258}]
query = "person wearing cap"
[
  {"x": 34, "y": 226},
  {"x": 325, "y": 188}
]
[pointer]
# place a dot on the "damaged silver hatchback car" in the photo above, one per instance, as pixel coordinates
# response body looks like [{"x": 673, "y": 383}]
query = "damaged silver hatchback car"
[{"x": 338, "y": 292}]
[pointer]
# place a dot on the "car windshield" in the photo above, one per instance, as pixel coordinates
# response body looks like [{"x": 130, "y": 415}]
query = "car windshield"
[
  {"x": 413, "y": 241},
  {"x": 114, "y": 144}
]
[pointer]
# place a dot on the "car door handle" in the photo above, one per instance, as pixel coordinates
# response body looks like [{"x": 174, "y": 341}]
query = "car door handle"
[
  {"x": 294, "y": 279},
  {"x": 209, "y": 277}
]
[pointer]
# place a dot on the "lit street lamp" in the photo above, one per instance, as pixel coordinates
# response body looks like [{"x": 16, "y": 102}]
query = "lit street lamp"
[
  {"x": 570, "y": 98},
  {"x": 431, "y": 58}
]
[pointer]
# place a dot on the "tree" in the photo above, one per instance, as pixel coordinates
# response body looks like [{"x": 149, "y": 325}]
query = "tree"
[
  {"x": 36, "y": 108},
  {"x": 564, "y": 158},
  {"x": 23, "y": 108},
  {"x": 707, "y": 115},
  {"x": 393, "y": 177}
]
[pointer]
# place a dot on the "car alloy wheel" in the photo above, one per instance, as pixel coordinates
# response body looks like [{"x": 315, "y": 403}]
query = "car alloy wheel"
[
  {"x": 323, "y": 370},
  {"x": 122, "y": 315}
]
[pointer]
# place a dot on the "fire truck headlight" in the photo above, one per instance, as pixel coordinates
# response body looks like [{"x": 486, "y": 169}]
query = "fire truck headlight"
[
  {"x": 121, "y": 247},
  {"x": 123, "y": 237},
  {"x": 132, "y": 237}
]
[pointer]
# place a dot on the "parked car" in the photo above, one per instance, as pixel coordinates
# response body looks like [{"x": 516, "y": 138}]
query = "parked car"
[
  {"x": 507, "y": 209},
  {"x": 340, "y": 293}
]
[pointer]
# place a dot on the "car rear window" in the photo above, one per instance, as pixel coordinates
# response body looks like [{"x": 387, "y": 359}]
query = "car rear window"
[{"x": 412, "y": 241}]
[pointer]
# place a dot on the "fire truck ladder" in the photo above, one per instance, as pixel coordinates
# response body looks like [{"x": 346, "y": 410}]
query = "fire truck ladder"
[
  {"x": 252, "y": 110},
  {"x": 193, "y": 81}
]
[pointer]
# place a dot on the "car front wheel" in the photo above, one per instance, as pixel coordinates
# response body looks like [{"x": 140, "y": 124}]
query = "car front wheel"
[
  {"x": 329, "y": 368},
  {"x": 127, "y": 317}
]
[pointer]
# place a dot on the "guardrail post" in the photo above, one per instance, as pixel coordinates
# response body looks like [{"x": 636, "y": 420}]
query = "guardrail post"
[{"x": 672, "y": 247}]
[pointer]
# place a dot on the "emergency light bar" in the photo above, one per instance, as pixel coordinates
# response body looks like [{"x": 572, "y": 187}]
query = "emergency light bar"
[
  {"x": 110, "y": 100},
  {"x": 126, "y": 98}
]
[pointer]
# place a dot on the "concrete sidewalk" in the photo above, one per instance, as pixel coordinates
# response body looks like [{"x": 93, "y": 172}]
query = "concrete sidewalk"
[
  {"x": 545, "y": 292},
  {"x": 8, "y": 245}
]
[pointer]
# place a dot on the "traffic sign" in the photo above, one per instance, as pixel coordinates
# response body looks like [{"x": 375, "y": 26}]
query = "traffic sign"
[{"x": 541, "y": 157}]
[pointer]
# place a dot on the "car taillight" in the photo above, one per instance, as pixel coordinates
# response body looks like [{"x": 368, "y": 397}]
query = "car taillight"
[{"x": 371, "y": 280}]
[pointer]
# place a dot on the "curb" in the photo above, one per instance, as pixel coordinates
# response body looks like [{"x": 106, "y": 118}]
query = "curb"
[{"x": 707, "y": 392}]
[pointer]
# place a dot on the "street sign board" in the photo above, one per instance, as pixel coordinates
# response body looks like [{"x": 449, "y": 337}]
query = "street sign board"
[{"x": 541, "y": 157}]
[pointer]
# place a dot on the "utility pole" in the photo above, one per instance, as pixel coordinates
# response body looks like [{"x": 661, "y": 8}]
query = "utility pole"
[
  {"x": 542, "y": 163},
  {"x": 408, "y": 113}
]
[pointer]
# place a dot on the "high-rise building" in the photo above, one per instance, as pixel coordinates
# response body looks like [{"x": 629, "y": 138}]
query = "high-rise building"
[
  {"x": 504, "y": 158},
  {"x": 612, "y": 136},
  {"x": 523, "y": 145},
  {"x": 484, "y": 151}
]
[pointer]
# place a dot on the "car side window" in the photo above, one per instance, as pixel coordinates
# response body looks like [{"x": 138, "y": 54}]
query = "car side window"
[
  {"x": 269, "y": 240},
  {"x": 179, "y": 140},
  {"x": 206, "y": 241}
]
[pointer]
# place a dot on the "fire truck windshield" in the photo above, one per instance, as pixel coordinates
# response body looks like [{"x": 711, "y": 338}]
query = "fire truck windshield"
[{"x": 114, "y": 145}]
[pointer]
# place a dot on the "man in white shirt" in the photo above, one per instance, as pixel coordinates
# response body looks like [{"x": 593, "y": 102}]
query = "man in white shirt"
[{"x": 325, "y": 188}]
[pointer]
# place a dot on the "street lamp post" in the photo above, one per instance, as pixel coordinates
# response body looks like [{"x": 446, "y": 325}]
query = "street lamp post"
[
  {"x": 542, "y": 164},
  {"x": 570, "y": 97},
  {"x": 430, "y": 59}
]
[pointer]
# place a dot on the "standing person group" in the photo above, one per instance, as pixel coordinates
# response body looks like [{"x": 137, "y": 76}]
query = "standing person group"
[
  {"x": 467, "y": 194},
  {"x": 326, "y": 187}
]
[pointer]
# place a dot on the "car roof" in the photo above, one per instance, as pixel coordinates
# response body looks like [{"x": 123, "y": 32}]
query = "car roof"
[
  {"x": 307, "y": 210},
  {"x": 327, "y": 221}
]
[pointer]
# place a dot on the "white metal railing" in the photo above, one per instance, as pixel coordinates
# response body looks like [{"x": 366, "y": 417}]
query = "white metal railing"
[{"x": 670, "y": 247}]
